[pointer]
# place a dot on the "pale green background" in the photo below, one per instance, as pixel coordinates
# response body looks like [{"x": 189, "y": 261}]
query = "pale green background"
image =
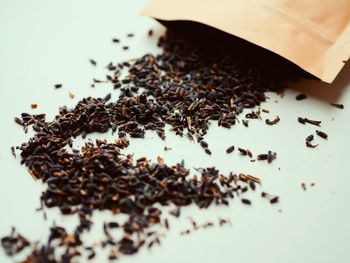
[{"x": 45, "y": 42}]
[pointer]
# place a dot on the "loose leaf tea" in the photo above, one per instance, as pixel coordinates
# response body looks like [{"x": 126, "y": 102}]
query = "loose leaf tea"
[
  {"x": 301, "y": 96},
  {"x": 186, "y": 86},
  {"x": 269, "y": 156},
  {"x": 93, "y": 62},
  {"x": 230, "y": 149},
  {"x": 310, "y": 145},
  {"x": 14, "y": 243},
  {"x": 309, "y": 138},
  {"x": 272, "y": 122},
  {"x": 246, "y": 201},
  {"x": 339, "y": 106},
  {"x": 306, "y": 120},
  {"x": 322, "y": 134}
]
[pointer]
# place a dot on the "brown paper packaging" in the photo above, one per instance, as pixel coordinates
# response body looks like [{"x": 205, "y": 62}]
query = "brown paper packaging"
[{"x": 315, "y": 35}]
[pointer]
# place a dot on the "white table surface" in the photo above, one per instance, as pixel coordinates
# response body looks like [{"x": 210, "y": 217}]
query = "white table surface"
[{"x": 47, "y": 42}]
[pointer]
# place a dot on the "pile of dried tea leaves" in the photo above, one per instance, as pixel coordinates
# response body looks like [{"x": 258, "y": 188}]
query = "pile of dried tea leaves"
[{"x": 185, "y": 86}]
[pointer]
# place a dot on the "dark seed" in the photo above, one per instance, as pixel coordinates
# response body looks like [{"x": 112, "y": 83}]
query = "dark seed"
[
  {"x": 245, "y": 123},
  {"x": 97, "y": 80},
  {"x": 204, "y": 144},
  {"x": 271, "y": 156},
  {"x": 107, "y": 97},
  {"x": 115, "y": 40},
  {"x": 303, "y": 185},
  {"x": 301, "y": 96},
  {"x": 264, "y": 194},
  {"x": 309, "y": 144},
  {"x": 339, "y": 106},
  {"x": 273, "y": 122},
  {"x": 91, "y": 255},
  {"x": 309, "y": 138},
  {"x": 93, "y": 62},
  {"x": 207, "y": 151},
  {"x": 13, "y": 151},
  {"x": 18, "y": 121},
  {"x": 322, "y": 134},
  {"x": 306, "y": 120},
  {"x": 252, "y": 185},
  {"x": 113, "y": 225},
  {"x": 57, "y": 86},
  {"x": 175, "y": 212},
  {"x": 246, "y": 201},
  {"x": 317, "y": 123},
  {"x": 274, "y": 200},
  {"x": 249, "y": 153},
  {"x": 301, "y": 120},
  {"x": 261, "y": 157},
  {"x": 242, "y": 151},
  {"x": 230, "y": 149}
]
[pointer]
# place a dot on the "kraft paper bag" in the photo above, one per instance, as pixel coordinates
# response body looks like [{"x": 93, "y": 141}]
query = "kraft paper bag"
[{"x": 315, "y": 35}]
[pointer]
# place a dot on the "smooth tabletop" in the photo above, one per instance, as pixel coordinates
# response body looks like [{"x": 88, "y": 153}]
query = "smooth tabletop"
[{"x": 48, "y": 42}]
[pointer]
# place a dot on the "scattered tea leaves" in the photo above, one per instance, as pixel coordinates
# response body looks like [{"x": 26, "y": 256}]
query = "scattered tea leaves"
[
  {"x": 339, "y": 106},
  {"x": 243, "y": 151},
  {"x": 13, "y": 152},
  {"x": 246, "y": 201},
  {"x": 301, "y": 96},
  {"x": 306, "y": 120},
  {"x": 310, "y": 145},
  {"x": 303, "y": 185},
  {"x": 93, "y": 62},
  {"x": 309, "y": 138},
  {"x": 273, "y": 122},
  {"x": 230, "y": 149},
  {"x": 322, "y": 134}
]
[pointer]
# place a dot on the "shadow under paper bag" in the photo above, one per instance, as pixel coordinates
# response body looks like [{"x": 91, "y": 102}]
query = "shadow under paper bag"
[{"x": 208, "y": 37}]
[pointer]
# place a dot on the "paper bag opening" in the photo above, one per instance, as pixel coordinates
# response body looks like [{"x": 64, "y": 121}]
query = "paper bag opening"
[
  {"x": 315, "y": 35},
  {"x": 206, "y": 37}
]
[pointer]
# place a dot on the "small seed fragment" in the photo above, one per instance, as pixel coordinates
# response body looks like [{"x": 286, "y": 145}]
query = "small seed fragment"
[
  {"x": 230, "y": 149},
  {"x": 310, "y": 145},
  {"x": 246, "y": 201},
  {"x": 274, "y": 200},
  {"x": 93, "y": 62},
  {"x": 309, "y": 138},
  {"x": 301, "y": 96},
  {"x": 322, "y": 134},
  {"x": 273, "y": 122},
  {"x": 339, "y": 106}
]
